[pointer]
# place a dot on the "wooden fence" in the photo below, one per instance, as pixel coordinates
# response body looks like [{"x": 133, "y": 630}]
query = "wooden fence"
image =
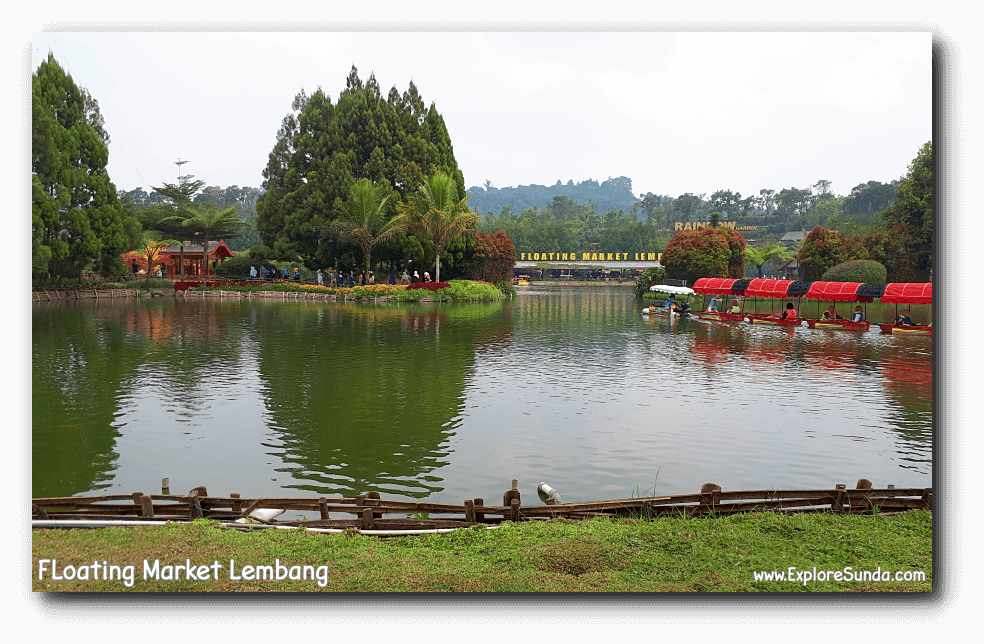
[
  {"x": 44, "y": 295},
  {"x": 370, "y": 512}
]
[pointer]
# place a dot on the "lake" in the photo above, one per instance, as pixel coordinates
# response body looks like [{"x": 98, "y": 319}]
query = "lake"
[{"x": 568, "y": 385}]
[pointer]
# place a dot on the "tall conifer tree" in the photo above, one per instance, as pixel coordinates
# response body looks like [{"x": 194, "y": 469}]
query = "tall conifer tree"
[
  {"x": 323, "y": 147},
  {"x": 77, "y": 217}
]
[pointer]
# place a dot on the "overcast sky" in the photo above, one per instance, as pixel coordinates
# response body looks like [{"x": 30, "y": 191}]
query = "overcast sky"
[{"x": 675, "y": 112}]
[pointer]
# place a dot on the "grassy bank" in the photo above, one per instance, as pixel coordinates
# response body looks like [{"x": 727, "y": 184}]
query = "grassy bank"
[
  {"x": 457, "y": 291},
  {"x": 684, "y": 555}
]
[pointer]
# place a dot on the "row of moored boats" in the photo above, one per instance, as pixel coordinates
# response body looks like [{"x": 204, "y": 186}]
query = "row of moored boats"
[{"x": 906, "y": 294}]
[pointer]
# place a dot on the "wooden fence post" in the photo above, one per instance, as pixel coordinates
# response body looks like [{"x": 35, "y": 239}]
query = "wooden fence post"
[
  {"x": 838, "y": 504},
  {"x": 714, "y": 490},
  {"x": 510, "y": 499},
  {"x": 367, "y": 521},
  {"x": 864, "y": 484},
  {"x": 146, "y": 506},
  {"x": 323, "y": 506},
  {"x": 237, "y": 507},
  {"x": 480, "y": 516},
  {"x": 194, "y": 505},
  {"x": 374, "y": 495},
  {"x": 469, "y": 510}
]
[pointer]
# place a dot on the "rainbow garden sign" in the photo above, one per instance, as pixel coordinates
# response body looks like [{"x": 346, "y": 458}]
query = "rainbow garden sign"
[{"x": 697, "y": 225}]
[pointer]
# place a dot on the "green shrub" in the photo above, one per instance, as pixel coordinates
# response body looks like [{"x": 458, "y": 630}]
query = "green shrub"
[
  {"x": 649, "y": 277},
  {"x": 467, "y": 291},
  {"x": 858, "y": 270},
  {"x": 237, "y": 266},
  {"x": 506, "y": 287}
]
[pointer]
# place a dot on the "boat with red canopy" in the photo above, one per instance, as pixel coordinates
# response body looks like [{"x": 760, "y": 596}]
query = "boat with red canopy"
[
  {"x": 775, "y": 289},
  {"x": 907, "y": 293},
  {"x": 721, "y": 286},
  {"x": 841, "y": 292}
]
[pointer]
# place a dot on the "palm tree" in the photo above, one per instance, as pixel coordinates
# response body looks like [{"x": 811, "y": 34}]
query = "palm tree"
[
  {"x": 206, "y": 221},
  {"x": 762, "y": 256},
  {"x": 362, "y": 219},
  {"x": 435, "y": 212}
]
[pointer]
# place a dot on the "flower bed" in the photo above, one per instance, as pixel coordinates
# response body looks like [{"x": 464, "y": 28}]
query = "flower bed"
[{"x": 430, "y": 286}]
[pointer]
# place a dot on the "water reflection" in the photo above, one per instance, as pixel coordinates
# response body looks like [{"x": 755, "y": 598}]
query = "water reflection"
[{"x": 568, "y": 385}]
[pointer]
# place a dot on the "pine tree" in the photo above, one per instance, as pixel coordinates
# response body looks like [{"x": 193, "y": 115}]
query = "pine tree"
[
  {"x": 77, "y": 217},
  {"x": 322, "y": 148}
]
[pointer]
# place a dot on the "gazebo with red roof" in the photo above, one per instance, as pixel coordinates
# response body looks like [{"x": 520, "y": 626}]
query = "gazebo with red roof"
[{"x": 218, "y": 251}]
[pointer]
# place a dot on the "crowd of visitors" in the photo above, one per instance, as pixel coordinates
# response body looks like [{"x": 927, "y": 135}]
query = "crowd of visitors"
[{"x": 333, "y": 278}]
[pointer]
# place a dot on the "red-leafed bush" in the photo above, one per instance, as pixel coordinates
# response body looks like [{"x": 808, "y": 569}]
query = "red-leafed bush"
[
  {"x": 430, "y": 286},
  {"x": 707, "y": 252},
  {"x": 493, "y": 258}
]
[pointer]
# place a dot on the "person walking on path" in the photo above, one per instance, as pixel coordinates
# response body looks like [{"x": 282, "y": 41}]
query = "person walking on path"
[
  {"x": 321, "y": 278},
  {"x": 392, "y": 277}
]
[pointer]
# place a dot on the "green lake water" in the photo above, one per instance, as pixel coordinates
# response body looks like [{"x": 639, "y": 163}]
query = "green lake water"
[{"x": 568, "y": 385}]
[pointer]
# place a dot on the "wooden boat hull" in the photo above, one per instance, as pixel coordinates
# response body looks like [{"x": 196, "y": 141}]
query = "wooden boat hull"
[
  {"x": 839, "y": 324},
  {"x": 722, "y": 317},
  {"x": 916, "y": 329},
  {"x": 776, "y": 321}
]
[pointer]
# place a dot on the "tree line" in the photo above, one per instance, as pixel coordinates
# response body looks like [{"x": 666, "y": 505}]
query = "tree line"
[
  {"x": 368, "y": 177},
  {"x": 567, "y": 225},
  {"x": 896, "y": 247},
  {"x": 611, "y": 194},
  {"x": 903, "y": 243},
  {"x": 564, "y": 222}
]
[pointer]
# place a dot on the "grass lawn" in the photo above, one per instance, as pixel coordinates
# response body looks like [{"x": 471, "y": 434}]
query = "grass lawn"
[{"x": 625, "y": 555}]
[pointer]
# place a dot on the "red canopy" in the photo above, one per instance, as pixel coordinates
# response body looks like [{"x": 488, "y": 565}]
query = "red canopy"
[
  {"x": 835, "y": 292},
  {"x": 768, "y": 288},
  {"x": 908, "y": 293},
  {"x": 714, "y": 286}
]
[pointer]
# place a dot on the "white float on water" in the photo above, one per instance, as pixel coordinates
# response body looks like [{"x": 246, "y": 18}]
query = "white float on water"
[{"x": 549, "y": 491}]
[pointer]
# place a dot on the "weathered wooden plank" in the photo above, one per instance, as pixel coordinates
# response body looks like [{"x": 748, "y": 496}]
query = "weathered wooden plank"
[{"x": 122, "y": 510}]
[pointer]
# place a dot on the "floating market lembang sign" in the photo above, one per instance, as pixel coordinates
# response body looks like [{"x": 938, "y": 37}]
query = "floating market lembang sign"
[
  {"x": 590, "y": 257},
  {"x": 697, "y": 225}
]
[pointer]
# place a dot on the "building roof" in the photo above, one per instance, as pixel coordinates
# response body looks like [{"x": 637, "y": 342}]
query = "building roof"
[
  {"x": 215, "y": 249},
  {"x": 794, "y": 236}
]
